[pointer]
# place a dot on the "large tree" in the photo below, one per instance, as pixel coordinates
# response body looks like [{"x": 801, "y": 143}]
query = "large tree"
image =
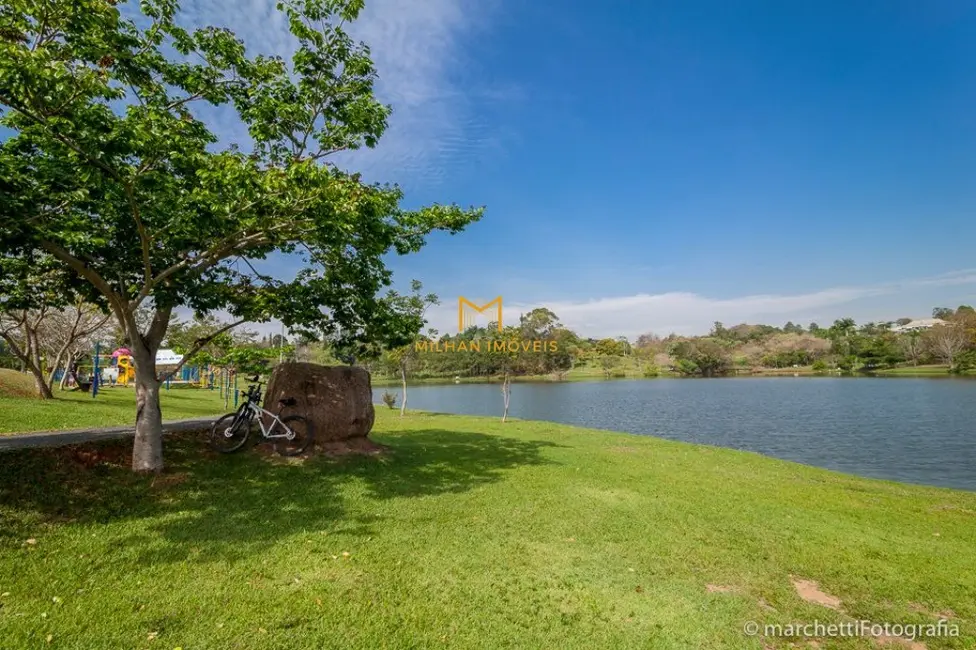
[
  {"x": 946, "y": 341},
  {"x": 110, "y": 172}
]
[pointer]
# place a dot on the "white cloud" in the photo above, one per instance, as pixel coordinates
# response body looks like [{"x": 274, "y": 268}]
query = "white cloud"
[
  {"x": 419, "y": 49},
  {"x": 689, "y": 313}
]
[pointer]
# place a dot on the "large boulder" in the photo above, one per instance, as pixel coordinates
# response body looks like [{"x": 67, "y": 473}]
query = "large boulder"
[{"x": 338, "y": 400}]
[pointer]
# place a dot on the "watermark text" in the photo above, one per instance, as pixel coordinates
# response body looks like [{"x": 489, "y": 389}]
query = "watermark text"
[{"x": 849, "y": 629}]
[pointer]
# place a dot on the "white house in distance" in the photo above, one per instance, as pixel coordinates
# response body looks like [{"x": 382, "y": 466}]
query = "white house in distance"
[
  {"x": 920, "y": 324},
  {"x": 168, "y": 358}
]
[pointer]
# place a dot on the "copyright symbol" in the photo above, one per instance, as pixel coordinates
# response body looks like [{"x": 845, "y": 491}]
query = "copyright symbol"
[{"x": 751, "y": 628}]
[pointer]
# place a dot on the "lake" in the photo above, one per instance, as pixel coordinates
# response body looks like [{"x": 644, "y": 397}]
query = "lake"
[{"x": 915, "y": 430}]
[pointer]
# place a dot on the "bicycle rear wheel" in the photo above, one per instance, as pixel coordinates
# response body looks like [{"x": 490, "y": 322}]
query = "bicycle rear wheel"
[
  {"x": 300, "y": 436},
  {"x": 230, "y": 432}
]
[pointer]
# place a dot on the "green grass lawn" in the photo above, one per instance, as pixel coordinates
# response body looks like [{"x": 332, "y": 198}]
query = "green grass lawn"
[
  {"x": 929, "y": 370},
  {"x": 469, "y": 533},
  {"x": 113, "y": 406}
]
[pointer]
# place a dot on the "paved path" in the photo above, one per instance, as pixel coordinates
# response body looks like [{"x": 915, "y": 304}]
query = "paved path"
[{"x": 12, "y": 441}]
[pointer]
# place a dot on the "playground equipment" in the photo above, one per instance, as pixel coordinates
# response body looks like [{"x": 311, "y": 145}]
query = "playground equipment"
[
  {"x": 119, "y": 369},
  {"x": 125, "y": 371}
]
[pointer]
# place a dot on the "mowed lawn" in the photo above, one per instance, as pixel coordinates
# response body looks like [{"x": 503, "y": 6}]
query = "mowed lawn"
[
  {"x": 469, "y": 533},
  {"x": 113, "y": 406}
]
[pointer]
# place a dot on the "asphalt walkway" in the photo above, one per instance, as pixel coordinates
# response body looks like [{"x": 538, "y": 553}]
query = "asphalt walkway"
[{"x": 9, "y": 442}]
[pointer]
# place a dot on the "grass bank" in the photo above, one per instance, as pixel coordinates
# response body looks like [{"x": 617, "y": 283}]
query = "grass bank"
[
  {"x": 920, "y": 371},
  {"x": 113, "y": 406},
  {"x": 470, "y": 533}
]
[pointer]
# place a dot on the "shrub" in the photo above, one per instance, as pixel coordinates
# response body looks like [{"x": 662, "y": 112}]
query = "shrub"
[
  {"x": 389, "y": 399},
  {"x": 846, "y": 364},
  {"x": 819, "y": 365},
  {"x": 652, "y": 371},
  {"x": 965, "y": 361}
]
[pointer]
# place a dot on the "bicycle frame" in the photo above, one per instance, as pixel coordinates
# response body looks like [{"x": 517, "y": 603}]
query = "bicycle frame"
[
  {"x": 257, "y": 411},
  {"x": 251, "y": 411}
]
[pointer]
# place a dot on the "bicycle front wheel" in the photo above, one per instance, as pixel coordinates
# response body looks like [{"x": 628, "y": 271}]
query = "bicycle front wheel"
[
  {"x": 230, "y": 432},
  {"x": 300, "y": 436}
]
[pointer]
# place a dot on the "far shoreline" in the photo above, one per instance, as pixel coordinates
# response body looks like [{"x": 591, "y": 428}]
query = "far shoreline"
[{"x": 892, "y": 373}]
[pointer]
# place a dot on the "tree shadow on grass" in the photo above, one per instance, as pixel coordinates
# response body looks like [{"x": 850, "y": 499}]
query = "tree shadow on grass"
[
  {"x": 437, "y": 461},
  {"x": 210, "y": 507}
]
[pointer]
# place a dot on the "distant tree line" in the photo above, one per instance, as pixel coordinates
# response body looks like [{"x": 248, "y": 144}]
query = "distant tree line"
[
  {"x": 64, "y": 336},
  {"x": 843, "y": 347}
]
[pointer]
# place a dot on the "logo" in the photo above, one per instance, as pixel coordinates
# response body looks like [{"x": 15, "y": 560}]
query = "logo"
[{"x": 467, "y": 311}]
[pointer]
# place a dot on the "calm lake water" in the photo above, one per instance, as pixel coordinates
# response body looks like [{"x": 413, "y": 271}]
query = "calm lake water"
[{"x": 910, "y": 430}]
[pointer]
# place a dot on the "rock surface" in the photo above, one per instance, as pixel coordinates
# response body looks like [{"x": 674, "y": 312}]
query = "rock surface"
[{"x": 337, "y": 400}]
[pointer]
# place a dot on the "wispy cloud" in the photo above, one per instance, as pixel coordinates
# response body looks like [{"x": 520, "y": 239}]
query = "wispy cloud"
[
  {"x": 419, "y": 50},
  {"x": 690, "y": 313}
]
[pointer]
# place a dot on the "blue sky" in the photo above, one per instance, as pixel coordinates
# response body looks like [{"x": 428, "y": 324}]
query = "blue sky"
[{"x": 657, "y": 166}]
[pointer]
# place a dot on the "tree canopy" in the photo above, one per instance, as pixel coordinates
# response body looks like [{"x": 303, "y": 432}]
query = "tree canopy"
[{"x": 112, "y": 180}]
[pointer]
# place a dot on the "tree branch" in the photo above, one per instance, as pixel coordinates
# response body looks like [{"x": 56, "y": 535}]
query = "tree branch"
[
  {"x": 63, "y": 140},
  {"x": 197, "y": 346},
  {"x": 116, "y": 302},
  {"x": 156, "y": 331},
  {"x": 144, "y": 237},
  {"x": 198, "y": 263}
]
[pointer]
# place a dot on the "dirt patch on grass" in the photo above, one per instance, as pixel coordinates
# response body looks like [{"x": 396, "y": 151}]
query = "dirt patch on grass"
[
  {"x": 89, "y": 456},
  {"x": 810, "y": 591},
  {"x": 335, "y": 449},
  {"x": 719, "y": 589},
  {"x": 164, "y": 481}
]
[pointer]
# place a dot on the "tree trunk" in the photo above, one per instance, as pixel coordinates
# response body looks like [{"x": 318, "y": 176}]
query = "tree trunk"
[
  {"x": 403, "y": 386},
  {"x": 43, "y": 390},
  {"x": 55, "y": 364},
  {"x": 67, "y": 369},
  {"x": 506, "y": 394},
  {"x": 30, "y": 359},
  {"x": 147, "y": 449}
]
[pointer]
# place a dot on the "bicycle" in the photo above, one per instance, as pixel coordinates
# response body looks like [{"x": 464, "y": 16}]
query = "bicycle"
[{"x": 231, "y": 431}]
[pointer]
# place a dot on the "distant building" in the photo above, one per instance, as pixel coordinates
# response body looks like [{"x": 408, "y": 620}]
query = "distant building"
[
  {"x": 168, "y": 358},
  {"x": 920, "y": 324}
]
